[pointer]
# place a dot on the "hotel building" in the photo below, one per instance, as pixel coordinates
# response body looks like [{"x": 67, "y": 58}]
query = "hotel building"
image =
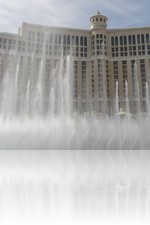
[{"x": 105, "y": 63}]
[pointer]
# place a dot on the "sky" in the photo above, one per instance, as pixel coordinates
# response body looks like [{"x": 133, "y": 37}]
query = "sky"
[{"x": 73, "y": 13}]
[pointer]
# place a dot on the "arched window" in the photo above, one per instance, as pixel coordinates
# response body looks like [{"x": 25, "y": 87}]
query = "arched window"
[
  {"x": 147, "y": 38},
  {"x": 64, "y": 39},
  {"x": 125, "y": 40},
  {"x": 59, "y": 39},
  {"x": 81, "y": 41},
  {"x": 129, "y": 40},
  {"x": 133, "y": 39},
  {"x": 85, "y": 41},
  {"x": 68, "y": 40},
  {"x": 116, "y": 40},
  {"x": 112, "y": 41},
  {"x": 121, "y": 40},
  {"x": 142, "y": 38},
  {"x": 138, "y": 39},
  {"x": 55, "y": 38},
  {"x": 73, "y": 40},
  {"x": 77, "y": 40}
]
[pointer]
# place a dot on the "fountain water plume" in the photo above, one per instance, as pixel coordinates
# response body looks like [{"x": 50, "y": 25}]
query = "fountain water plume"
[
  {"x": 50, "y": 121},
  {"x": 127, "y": 109}
]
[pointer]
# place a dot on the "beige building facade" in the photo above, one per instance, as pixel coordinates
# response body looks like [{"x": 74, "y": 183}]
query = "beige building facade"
[{"x": 107, "y": 66}]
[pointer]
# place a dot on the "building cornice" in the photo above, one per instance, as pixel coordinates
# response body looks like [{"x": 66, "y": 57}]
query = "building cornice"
[
  {"x": 128, "y": 29},
  {"x": 54, "y": 28}
]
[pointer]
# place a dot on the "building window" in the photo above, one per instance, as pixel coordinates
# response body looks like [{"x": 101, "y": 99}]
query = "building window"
[
  {"x": 81, "y": 41},
  {"x": 125, "y": 40},
  {"x": 147, "y": 39},
  {"x": 116, "y": 40},
  {"x": 64, "y": 39},
  {"x": 112, "y": 41},
  {"x": 133, "y": 39},
  {"x": 121, "y": 40},
  {"x": 142, "y": 38},
  {"x": 85, "y": 41},
  {"x": 129, "y": 40},
  {"x": 77, "y": 40},
  {"x": 138, "y": 39},
  {"x": 59, "y": 39},
  {"x": 68, "y": 40}
]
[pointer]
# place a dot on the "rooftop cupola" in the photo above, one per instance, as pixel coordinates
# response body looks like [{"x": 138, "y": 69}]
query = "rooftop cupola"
[{"x": 98, "y": 21}]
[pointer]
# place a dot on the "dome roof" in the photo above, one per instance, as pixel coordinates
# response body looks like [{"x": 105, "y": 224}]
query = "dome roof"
[{"x": 98, "y": 21}]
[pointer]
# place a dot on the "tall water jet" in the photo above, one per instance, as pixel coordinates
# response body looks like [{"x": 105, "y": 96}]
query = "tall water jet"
[
  {"x": 9, "y": 94},
  {"x": 51, "y": 111},
  {"x": 127, "y": 109},
  {"x": 128, "y": 116},
  {"x": 37, "y": 105},
  {"x": 25, "y": 106}
]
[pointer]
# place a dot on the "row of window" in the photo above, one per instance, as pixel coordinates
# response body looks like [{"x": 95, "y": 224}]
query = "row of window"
[
  {"x": 77, "y": 41},
  {"x": 97, "y": 49},
  {"x": 48, "y": 50},
  {"x": 130, "y": 39},
  {"x": 83, "y": 79},
  {"x": 59, "y": 39},
  {"x": 92, "y": 79},
  {"x": 99, "y": 19},
  {"x": 131, "y": 50},
  {"x": 143, "y": 77},
  {"x": 98, "y": 36},
  {"x": 82, "y": 40},
  {"x": 101, "y": 81}
]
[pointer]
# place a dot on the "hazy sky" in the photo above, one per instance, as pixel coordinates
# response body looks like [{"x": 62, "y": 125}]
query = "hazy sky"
[{"x": 73, "y": 13}]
